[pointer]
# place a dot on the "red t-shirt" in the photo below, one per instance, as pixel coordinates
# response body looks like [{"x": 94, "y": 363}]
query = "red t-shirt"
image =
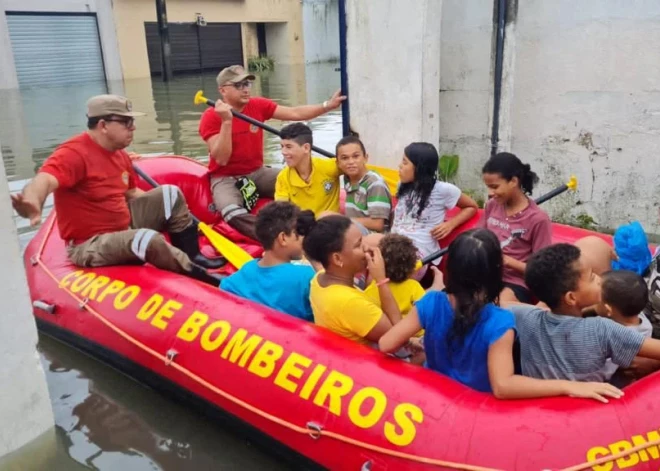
[
  {"x": 247, "y": 141},
  {"x": 532, "y": 222},
  {"x": 90, "y": 199}
]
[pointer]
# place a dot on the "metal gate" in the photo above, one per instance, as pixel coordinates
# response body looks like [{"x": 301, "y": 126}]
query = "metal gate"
[{"x": 55, "y": 49}]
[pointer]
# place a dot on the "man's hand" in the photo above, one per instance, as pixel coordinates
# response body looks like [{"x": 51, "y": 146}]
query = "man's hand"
[
  {"x": 27, "y": 208},
  {"x": 335, "y": 100},
  {"x": 223, "y": 110}
]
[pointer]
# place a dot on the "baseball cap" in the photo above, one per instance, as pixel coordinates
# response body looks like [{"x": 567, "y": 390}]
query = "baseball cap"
[
  {"x": 104, "y": 105},
  {"x": 233, "y": 74}
]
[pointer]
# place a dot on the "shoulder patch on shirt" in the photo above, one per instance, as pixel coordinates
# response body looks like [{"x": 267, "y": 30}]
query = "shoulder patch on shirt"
[{"x": 124, "y": 177}]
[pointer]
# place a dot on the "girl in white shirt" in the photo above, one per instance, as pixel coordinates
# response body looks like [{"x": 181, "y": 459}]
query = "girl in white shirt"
[{"x": 423, "y": 201}]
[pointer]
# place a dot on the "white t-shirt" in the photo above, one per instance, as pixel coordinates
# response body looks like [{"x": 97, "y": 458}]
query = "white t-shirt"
[{"x": 444, "y": 196}]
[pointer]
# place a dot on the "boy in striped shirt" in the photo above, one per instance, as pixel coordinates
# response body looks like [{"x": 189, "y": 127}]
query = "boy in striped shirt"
[
  {"x": 562, "y": 344},
  {"x": 368, "y": 200}
]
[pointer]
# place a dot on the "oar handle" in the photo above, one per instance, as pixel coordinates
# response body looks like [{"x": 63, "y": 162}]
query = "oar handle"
[
  {"x": 200, "y": 99},
  {"x": 570, "y": 185},
  {"x": 155, "y": 184}
]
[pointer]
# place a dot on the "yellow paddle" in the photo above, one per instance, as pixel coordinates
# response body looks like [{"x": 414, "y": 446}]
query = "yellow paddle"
[{"x": 225, "y": 247}]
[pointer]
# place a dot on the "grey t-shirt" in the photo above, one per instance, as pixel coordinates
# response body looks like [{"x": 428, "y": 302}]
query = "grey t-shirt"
[{"x": 553, "y": 346}]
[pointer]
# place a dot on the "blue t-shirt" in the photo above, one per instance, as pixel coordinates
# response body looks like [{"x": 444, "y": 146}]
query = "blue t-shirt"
[
  {"x": 283, "y": 287},
  {"x": 466, "y": 362}
]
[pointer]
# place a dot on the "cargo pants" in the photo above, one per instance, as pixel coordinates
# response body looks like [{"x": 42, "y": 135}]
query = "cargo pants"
[
  {"x": 229, "y": 201},
  {"x": 161, "y": 209}
]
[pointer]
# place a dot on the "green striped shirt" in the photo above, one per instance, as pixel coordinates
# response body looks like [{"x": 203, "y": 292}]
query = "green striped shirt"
[{"x": 370, "y": 198}]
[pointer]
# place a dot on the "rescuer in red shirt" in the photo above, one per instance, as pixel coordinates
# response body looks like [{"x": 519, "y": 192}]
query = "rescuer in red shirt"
[
  {"x": 236, "y": 148},
  {"x": 101, "y": 214}
]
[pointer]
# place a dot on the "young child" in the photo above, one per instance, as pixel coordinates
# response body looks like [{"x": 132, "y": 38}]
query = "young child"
[
  {"x": 273, "y": 280},
  {"x": 468, "y": 337},
  {"x": 400, "y": 257},
  {"x": 423, "y": 201},
  {"x": 562, "y": 344},
  {"x": 368, "y": 200},
  {"x": 623, "y": 298},
  {"x": 308, "y": 182},
  {"x": 520, "y": 225}
]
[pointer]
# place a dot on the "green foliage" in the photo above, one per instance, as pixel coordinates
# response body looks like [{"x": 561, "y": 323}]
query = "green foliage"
[
  {"x": 448, "y": 167},
  {"x": 261, "y": 64},
  {"x": 582, "y": 220},
  {"x": 478, "y": 197}
]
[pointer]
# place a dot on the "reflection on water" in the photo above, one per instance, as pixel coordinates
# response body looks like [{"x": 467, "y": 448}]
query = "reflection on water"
[{"x": 104, "y": 420}]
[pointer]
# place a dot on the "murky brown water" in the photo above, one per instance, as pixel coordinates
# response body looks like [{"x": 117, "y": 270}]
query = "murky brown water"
[{"x": 105, "y": 420}]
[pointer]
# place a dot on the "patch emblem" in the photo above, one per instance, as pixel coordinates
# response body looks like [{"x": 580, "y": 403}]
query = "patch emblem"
[
  {"x": 327, "y": 186},
  {"x": 253, "y": 128},
  {"x": 124, "y": 177}
]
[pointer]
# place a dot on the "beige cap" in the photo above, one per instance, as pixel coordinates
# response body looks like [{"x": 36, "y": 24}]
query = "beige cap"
[
  {"x": 233, "y": 74},
  {"x": 104, "y": 105}
]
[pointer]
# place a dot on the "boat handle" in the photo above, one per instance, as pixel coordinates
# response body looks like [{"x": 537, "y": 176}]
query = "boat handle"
[
  {"x": 314, "y": 430},
  {"x": 44, "y": 306}
]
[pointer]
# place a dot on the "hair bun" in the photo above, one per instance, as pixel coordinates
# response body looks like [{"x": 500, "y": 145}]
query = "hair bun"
[{"x": 305, "y": 222}]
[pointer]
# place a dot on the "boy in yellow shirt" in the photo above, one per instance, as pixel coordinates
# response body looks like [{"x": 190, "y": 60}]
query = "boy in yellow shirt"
[
  {"x": 308, "y": 182},
  {"x": 400, "y": 257}
]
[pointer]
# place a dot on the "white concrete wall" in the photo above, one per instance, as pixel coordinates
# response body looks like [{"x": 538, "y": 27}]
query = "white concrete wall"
[
  {"x": 394, "y": 74},
  {"x": 105, "y": 21},
  {"x": 586, "y": 100},
  {"x": 321, "y": 30},
  {"x": 25, "y": 410},
  {"x": 277, "y": 42},
  {"x": 466, "y": 86}
]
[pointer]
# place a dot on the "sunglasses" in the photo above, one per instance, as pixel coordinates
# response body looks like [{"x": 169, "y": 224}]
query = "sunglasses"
[
  {"x": 127, "y": 122},
  {"x": 240, "y": 85}
]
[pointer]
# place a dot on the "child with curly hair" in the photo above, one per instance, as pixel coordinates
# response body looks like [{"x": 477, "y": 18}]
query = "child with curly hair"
[{"x": 400, "y": 257}]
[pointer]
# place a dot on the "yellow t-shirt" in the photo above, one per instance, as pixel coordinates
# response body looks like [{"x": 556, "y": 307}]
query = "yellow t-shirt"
[
  {"x": 346, "y": 311},
  {"x": 405, "y": 293},
  {"x": 320, "y": 194}
]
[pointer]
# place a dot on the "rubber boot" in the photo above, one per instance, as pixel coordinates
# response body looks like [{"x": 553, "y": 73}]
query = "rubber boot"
[
  {"x": 187, "y": 242},
  {"x": 198, "y": 273}
]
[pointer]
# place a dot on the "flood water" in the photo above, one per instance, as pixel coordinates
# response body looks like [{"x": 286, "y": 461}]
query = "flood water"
[{"x": 104, "y": 420}]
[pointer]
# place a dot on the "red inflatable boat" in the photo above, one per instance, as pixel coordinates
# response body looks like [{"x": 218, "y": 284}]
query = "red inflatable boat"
[{"x": 320, "y": 400}]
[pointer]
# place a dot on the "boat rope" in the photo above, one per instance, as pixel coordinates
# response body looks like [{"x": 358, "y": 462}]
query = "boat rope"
[{"x": 311, "y": 429}]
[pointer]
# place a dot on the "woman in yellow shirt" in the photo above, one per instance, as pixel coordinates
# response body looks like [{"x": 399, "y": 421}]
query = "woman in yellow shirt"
[{"x": 336, "y": 243}]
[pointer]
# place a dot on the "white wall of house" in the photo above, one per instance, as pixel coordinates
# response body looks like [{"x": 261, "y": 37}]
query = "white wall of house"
[
  {"x": 581, "y": 94},
  {"x": 394, "y": 73},
  {"x": 321, "y": 30},
  {"x": 105, "y": 21}
]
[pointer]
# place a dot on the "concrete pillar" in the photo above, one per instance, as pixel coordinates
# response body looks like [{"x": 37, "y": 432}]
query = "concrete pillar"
[
  {"x": 394, "y": 74},
  {"x": 25, "y": 410}
]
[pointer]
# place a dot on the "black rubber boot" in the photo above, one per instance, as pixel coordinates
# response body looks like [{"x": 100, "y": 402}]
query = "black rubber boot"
[
  {"x": 202, "y": 275},
  {"x": 186, "y": 241}
]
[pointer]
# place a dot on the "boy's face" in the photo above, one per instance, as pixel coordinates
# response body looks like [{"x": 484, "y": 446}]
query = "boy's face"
[
  {"x": 294, "y": 153},
  {"x": 351, "y": 161},
  {"x": 291, "y": 245},
  {"x": 587, "y": 292}
]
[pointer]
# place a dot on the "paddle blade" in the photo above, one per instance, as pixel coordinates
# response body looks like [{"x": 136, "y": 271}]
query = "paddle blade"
[
  {"x": 200, "y": 99},
  {"x": 232, "y": 252},
  {"x": 572, "y": 183}
]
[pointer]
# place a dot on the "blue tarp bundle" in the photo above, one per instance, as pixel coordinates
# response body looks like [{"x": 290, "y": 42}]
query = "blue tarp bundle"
[{"x": 632, "y": 248}]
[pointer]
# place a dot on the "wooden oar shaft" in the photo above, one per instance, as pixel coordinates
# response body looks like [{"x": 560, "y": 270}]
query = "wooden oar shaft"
[{"x": 268, "y": 128}]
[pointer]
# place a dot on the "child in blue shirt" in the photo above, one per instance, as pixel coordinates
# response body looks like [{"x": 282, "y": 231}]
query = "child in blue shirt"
[
  {"x": 468, "y": 337},
  {"x": 273, "y": 280}
]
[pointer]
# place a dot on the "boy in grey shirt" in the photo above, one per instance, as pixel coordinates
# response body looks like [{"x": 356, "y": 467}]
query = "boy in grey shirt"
[{"x": 562, "y": 344}]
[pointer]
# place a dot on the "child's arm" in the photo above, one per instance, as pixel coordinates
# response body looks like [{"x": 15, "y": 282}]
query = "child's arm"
[
  {"x": 400, "y": 334},
  {"x": 376, "y": 267},
  {"x": 508, "y": 385},
  {"x": 282, "y": 192},
  {"x": 468, "y": 210},
  {"x": 379, "y": 207},
  {"x": 650, "y": 349}
]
